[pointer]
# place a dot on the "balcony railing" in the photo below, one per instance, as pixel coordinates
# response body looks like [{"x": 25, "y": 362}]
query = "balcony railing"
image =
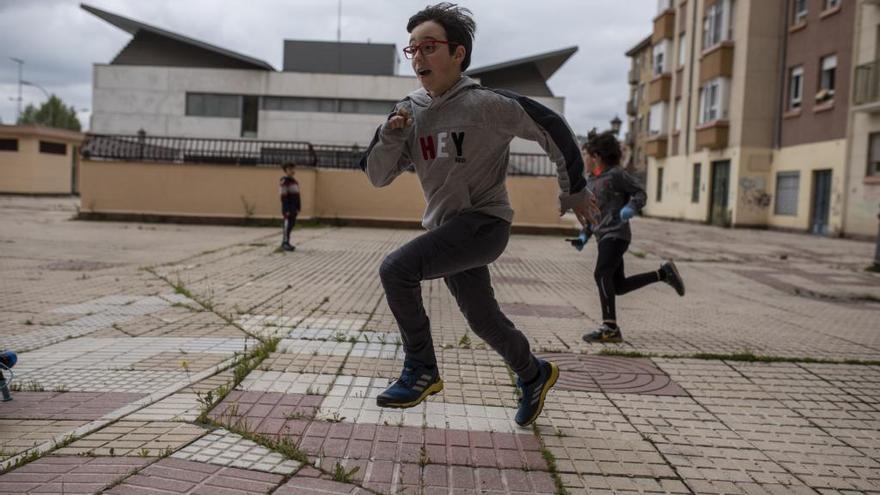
[
  {"x": 242, "y": 152},
  {"x": 633, "y": 76},
  {"x": 867, "y": 83}
]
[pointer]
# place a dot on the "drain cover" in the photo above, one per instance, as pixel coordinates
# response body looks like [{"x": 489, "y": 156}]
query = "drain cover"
[{"x": 612, "y": 375}]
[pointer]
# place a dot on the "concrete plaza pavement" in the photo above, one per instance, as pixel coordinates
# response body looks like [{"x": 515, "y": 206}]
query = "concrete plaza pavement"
[{"x": 172, "y": 359}]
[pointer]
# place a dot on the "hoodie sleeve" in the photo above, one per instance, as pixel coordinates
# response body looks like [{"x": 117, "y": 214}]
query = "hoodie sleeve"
[
  {"x": 528, "y": 119},
  {"x": 388, "y": 153},
  {"x": 628, "y": 183}
]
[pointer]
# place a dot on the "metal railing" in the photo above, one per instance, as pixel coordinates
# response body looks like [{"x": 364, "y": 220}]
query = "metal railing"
[
  {"x": 246, "y": 152},
  {"x": 867, "y": 83}
]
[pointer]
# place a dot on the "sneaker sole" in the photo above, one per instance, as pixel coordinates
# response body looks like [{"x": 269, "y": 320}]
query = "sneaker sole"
[
  {"x": 554, "y": 375},
  {"x": 677, "y": 277},
  {"x": 433, "y": 389}
]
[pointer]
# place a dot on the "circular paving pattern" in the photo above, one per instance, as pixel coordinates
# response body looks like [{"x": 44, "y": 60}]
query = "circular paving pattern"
[{"x": 612, "y": 375}]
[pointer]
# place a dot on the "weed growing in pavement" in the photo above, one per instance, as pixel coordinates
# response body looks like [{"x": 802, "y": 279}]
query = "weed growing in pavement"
[{"x": 341, "y": 475}]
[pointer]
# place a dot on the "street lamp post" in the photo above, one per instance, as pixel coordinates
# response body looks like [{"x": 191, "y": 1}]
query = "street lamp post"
[
  {"x": 615, "y": 125},
  {"x": 20, "y": 63},
  {"x": 48, "y": 99}
]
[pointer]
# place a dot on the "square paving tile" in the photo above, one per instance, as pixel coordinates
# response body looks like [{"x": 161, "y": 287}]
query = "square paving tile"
[
  {"x": 176, "y": 407},
  {"x": 176, "y": 476},
  {"x": 302, "y": 363},
  {"x": 18, "y": 435},
  {"x": 134, "y": 438},
  {"x": 287, "y": 383},
  {"x": 267, "y": 413},
  {"x": 225, "y": 448},
  {"x": 60, "y": 475},
  {"x": 64, "y": 405}
]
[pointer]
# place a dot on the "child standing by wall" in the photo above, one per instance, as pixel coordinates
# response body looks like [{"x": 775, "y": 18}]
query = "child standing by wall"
[{"x": 290, "y": 203}]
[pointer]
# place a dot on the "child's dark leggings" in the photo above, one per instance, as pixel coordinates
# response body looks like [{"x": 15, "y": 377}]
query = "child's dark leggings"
[
  {"x": 289, "y": 223},
  {"x": 458, "y": 252},
  {"x": 610, "y": 278}
]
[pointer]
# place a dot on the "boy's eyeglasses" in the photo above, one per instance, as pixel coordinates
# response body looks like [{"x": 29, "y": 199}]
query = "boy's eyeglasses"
[{"x": 427, "y": 47}]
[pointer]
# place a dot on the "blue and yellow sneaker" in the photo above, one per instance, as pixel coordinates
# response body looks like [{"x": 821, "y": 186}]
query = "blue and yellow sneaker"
[
  {"x": 415, "y": 384},
  {"x": 531, "y": 402},
  {"x": 606, "y": 334}
]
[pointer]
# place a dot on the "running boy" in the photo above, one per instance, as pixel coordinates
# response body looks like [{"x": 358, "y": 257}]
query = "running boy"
[
  {"x": 620, "y": 196},
  {"x": 290, "y": 203},
  {"x": 457, "y": 134}
]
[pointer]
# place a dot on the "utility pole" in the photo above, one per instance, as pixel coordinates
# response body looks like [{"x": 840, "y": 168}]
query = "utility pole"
[
  {"x": 20, "y": 63},
  {"x": 48, "y": 99},
  {"x": 339, "y": 22}
]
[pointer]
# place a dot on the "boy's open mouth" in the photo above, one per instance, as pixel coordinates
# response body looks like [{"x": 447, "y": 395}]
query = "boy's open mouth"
[{"x": 423, "y": 72}]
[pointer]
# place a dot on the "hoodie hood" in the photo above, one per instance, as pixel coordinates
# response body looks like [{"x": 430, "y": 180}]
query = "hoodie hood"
[{"x": 420, "y": 97}]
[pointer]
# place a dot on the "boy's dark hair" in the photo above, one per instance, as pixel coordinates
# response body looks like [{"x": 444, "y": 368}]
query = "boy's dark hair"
[
  {"x": 287, "y": 165},
  {"x": 605, "y": 146},
  {"x": 457, "y": 21}
]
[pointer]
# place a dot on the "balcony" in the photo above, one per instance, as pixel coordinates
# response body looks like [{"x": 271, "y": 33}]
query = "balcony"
[
  {"x": 633, "y": 76},
  {"x": 713, "y": 135},
  {"x": 664, "y": 27},
  {"x": 866, "y": 88},
  {"x": 660, "y": 88},
  {"x": 717, "y": 62},
  {"x": 655, "y": 146},
  {"x": 631, "y": 109}
]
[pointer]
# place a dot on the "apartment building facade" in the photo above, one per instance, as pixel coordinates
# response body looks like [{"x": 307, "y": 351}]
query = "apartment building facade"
[
  {"x": 637, "y": 107},
  {"x": 863, "y": 171},
  {"x": 749, "y": 112}
]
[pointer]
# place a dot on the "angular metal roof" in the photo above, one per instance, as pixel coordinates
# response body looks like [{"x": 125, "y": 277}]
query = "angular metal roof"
[
  {"x": 546, "y": 63},
  {"x": 132, "y": 26}
]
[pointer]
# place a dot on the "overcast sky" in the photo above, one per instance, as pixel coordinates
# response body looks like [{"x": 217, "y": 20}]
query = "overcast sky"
[{"x": 60, "y": 42}]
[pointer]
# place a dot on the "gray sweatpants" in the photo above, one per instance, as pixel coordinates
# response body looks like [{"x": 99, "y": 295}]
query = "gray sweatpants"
[{"x": 459, "y": 251}]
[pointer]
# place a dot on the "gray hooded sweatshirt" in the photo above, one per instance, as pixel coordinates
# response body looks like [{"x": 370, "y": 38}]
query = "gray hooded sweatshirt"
[{"x": 459, "y": 144}]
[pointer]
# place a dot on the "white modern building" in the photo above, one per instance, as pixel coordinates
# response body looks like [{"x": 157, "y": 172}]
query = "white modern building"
[{"x": 167, "y": 84}]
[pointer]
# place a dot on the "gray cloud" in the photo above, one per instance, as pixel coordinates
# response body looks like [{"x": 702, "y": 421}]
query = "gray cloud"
[{"x": 60, "y": 42}]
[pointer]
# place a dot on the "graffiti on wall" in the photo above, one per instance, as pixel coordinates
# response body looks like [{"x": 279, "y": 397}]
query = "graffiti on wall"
[{"x": 753, "y": 193}]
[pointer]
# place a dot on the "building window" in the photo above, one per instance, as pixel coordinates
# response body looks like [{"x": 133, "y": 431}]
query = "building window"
[
  {"x": 795, "y": 87},
  {"x": 831, "y": 4},
  {"x": 713, "y": 24},
  {"x": 787, "y": 185},
  {"x": 677, "y": 117},
  {"x": 659, "y": 184},
  {"x": 695, "y": 184},
  {"x": 331, "y": 105},
  {"x": 53, "y": 148},
  {"x": 213, "y": 105},
  {"x": 800, "y": 12},
  {"x": 682, "y": 49},
  {"x": 8, "y": 144},
  {"x": 827, "y": 78},
  {"x": 659, "y": 58},
  {"x": 657, "y": 119},
  {"x": 710, "y": 101},
  {"x": 874, "y": 155}
]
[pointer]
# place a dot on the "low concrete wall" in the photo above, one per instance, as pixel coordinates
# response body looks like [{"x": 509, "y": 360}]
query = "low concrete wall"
[
  {"x": 28, "y": 171},
  {"x": 220, "y": 192}
]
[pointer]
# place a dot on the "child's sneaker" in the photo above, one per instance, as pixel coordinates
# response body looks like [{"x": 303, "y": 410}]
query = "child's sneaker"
[
  {"x": 414, "y": 385},
  {"x": 671, "y": 277},
  {"x": 531, "y": 402},
  {"x": 286, "y": 246},
  {"x": 606, "y": 334}
]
